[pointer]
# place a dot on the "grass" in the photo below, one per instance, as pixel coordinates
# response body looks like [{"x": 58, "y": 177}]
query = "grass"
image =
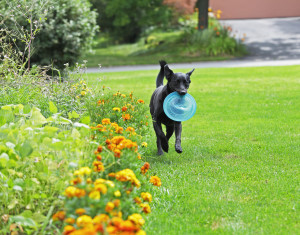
[
  {"x": 239, "y": 172},
  {"x": 139, "y": 53}
]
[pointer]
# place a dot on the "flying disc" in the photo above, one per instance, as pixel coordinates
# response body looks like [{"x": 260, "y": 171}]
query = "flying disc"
[{"x": 179, "y": 107}]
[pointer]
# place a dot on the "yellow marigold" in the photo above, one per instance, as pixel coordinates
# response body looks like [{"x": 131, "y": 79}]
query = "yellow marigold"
[
  {"x": 140, "y": 101},
  {"x": 94, "y": 195},
  {"x": 60, "y": 215},
  {"x": 101, "y": 188},
  {"x": 109, "y": 207},
  {"x": 144, "y": 144},
  {"x": 69, "y": 221},
  {"x": 84, "y": 221},
  {"x": 89, "y": 181},
  {"x": 105, "y": 121},
  {"x": 209, "y": 9},
  {"x": 123, "y": 95},
  {"x": 83, "y": 93},
  {"x": 155, "y": 181},
  {"x": 112, "y": 174},
  {"x": 116, "y": 109},
  {"x": 130, "y": 129},
  {"x": 80, "y": 211},
  {"x": 110, "y": 183},
  {"x": 83, "y": 171},
  {"x": 117, "y": 193},
  {"x": 68, "y": 229},
  {"x": 119, "y": 130},
  {"x": 70, "y": 191},
  {"x": 128, "y": 175},
  {"x": 99, "y": 219},
  {"x": 146, "y": 197},
  {"x": 137, "y": 219},
  {"x": 140, "y": 232},
  {"x": 146, "y": 208}
]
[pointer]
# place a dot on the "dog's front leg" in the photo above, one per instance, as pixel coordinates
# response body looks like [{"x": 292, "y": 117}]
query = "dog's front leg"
[
  {"x": 162, "y": 142},
  {"x": 178, "y": 129}
]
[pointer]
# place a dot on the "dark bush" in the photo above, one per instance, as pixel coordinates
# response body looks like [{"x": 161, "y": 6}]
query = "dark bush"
[{"x": 125, "y": 21}]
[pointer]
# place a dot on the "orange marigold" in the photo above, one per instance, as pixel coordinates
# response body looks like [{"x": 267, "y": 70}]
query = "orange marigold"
[
  {"x": 124, "y": 108},
  {"x": 125, "y": 116},
  {"x": 105, "y": 121},
  {"x": 109, "y": 207},
  {"x": 140, "y": 101},
  {"x": 80, "y": 211},
  {"x": 155, "y": 181},
  {"x": 68, "y": 229},
  {"x": 60, "y": 215}
]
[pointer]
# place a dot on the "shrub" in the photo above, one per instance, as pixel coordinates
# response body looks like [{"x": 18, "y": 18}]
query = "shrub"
[
  {"x": 125, "y": 21},
  {"x": 62, "y": 31}
]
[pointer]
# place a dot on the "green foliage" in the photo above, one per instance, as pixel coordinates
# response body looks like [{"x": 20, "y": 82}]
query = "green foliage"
[
  {"x": 215, "y": 41},
  {"x": 59, "y": 31},
  {"x": 125, "y": 21},
  {"x": 35, "y": 155}
]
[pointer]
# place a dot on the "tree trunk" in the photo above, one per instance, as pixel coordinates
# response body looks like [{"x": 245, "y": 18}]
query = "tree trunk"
[{"x": 202, "y": 6}]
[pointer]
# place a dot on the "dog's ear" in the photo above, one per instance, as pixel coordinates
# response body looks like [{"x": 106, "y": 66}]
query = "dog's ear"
[
  {"x": 190, "y": 73},
  {"x": 168, "y": 72}
]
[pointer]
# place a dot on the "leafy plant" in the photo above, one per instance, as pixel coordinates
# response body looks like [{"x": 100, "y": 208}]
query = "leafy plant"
[{"x": 57, "y": 32}]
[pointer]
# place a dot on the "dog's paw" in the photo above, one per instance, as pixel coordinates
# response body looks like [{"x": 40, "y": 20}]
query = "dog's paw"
[
  {"x": 164, "y": 144},
  {"x": 178, "y": 148},
  {"x": 160, "y": 152}
]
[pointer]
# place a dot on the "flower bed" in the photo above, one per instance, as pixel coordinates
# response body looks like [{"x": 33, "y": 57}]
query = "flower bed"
[{"x": 62, "y": 176}]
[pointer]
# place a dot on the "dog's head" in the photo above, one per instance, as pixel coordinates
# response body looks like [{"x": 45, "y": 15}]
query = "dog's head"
[{"x": 179, "y": 82}]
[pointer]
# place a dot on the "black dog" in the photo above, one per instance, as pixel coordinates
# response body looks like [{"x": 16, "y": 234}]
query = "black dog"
[{"x": 179, "y": 82}]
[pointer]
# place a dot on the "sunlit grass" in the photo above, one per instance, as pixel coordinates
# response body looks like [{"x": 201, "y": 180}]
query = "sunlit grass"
[{"x": 239, "y": 172}]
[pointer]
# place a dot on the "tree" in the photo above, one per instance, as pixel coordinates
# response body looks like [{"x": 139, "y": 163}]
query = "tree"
[
  {"x": 125, "y": 21},
  {"x": 202, "y": 6}
]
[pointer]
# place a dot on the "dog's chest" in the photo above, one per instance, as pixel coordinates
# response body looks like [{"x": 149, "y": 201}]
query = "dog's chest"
[{"x": 165, "y": 120}]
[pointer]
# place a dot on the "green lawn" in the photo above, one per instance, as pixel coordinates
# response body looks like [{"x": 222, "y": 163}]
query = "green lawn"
[
  {"x": 239, "y": 172},
  {"x": 161, "y": 45}
]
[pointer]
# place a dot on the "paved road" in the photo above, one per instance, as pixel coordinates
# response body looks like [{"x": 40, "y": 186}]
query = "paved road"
[
  {"x": 269, "y": 39},
  {"x": 271, "y": 42}
]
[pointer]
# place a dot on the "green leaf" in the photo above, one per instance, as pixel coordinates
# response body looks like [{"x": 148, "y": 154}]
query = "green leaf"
[
  {"x": 37, "y": 118},
  {"x": 3, "y": 162},
  {"x": 26, "y": 222},
  {"x": 12, "y": 204},
  {"x": 52, "y": 107},
  {"x": 6, "y": 116},
  {"x": 86, "y": 120},
  {"x": 25, "y": 149}
]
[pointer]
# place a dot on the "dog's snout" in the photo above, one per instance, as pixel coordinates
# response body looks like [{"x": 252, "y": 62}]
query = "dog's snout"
[{"x": 182, "y": 92}]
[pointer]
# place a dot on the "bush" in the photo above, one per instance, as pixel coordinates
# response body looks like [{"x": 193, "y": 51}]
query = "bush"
[
  {"x": 61, "y": 31},
  {"x": 125, "y": 21}
]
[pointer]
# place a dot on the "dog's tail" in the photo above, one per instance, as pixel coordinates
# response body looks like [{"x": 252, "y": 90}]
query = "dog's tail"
[{"x": 161, "y": 74}]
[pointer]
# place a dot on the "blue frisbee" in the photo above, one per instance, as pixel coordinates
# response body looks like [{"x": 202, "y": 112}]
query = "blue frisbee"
[{"x": 179, "y": 107}]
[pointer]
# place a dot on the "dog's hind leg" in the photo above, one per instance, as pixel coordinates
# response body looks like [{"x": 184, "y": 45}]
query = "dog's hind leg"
[
  {"x": 162, "y": 142},
  {"x": 170, "y": 131},
  {"x": 178, "y": 129}
]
